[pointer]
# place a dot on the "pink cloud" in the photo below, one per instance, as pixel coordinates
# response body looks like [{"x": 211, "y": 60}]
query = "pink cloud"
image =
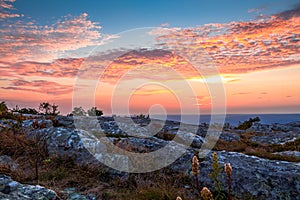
[
  {"x": 6, "y": 7},
  {"x": 240, "y": 47},
  {"x": 65, "y": 67},
  {"x": 30, "y": 42},
  {"x": 236, "y": 47},
  {"x": 40, "y": 86}
]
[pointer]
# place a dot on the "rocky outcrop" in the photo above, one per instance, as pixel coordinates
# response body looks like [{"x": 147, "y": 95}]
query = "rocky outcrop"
[
  {"x": 10, "y": 189},
  {"x": 69, "y": 142},
  {"x": 277, "y": 137},
  {"x": 275, "y": 133},
  {"x": 13, "y": 190},
  {"x": 7, "y": 161},
  {"x": 256, "y": 177},
  {"x": 252, "y": 177},
  {"x": 71, "y": 194},
  {"x": 295, "y": 154},
  {"x": 140, "y": 145},
  {"x": 229, "y": 136}
]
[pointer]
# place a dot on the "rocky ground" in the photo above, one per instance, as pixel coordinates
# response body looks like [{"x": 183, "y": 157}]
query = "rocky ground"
[{"x": 265, "y": 158}]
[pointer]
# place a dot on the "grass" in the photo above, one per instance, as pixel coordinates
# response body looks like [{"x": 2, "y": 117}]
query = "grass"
[
  {"x": 248, "y": 147},
  {"x": 165, "y": 135},
  {"x": 58, "y": 173}
]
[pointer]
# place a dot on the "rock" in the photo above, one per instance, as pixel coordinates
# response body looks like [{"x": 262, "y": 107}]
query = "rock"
[
  {"x": 251, "y": 177},
  {"x": 111, "y": 127},
  {"x": 64, "y": 121},
  {"x": 69, "y": 142},
  {"x": 289, "y": 153},
  {"x": 71, "y": 194},
  {"x": 240, "y": 131},
  {"x": 197, "y": 142},
  {"x": 42, "y": 123},
  {"x": 294, "y": 124},
  {"x": 141, "y": 145},
  {"x": 259, "y": 128},
  {"x": 275, "y": 133},
  {"x": 281, "y": 127},
  {"x": 256, "y": 177},
  {"x": 7, "y": 123},
  {"x": 229, "y": 136},
  {"x": 277, "y": 137},
  {"x": 7, "y": 161},
  {"x": 10, "y": 189},
  {"x": 183, "y": 164}
]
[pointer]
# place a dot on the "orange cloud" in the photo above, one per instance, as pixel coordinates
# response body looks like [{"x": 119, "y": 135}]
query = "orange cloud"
[
  {"x": 148, "y": 92},
  {"x": 40, "y": 86},
  {"x": 240, "y": 47},
  {"x": 29, "y": 51},
  {"x": 236, "y": 47},
  {"x": 156, "y": 65}
]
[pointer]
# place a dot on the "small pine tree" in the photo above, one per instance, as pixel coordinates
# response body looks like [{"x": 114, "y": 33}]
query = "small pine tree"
[
  {"x": 3, "y": 108},
  {"x": 47, "y": 109},
  {"x": 54, "y": 110}
]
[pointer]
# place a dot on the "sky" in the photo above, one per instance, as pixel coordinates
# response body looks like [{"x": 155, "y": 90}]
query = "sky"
[{"x": 152, "y": 56}]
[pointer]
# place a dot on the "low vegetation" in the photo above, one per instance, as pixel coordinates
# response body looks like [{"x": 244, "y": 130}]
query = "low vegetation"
[
  {"x": 248, "y": 123},
  {"x": 3, "y": 108},
  {"x": 60, "y": 172},
  {"x": 268, "y": 151},
  {"x": 79, "y": 111},
  {"x": 57, "y": 172}
]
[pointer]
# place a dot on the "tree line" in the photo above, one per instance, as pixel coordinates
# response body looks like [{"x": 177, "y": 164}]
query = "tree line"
[{"x": 46, "y": 108}]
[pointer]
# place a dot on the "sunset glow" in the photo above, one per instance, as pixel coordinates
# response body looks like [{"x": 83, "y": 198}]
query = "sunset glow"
[{"x": 257, "y": 57}]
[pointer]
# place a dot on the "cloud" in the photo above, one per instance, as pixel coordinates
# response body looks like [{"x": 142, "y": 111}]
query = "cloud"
[
  {"x": 157, "y": 65},
  {"x": 65, "y": 67},
  {"x": 40, "y": 86},
  {"x": 6, "y": 7},
  {"x": 148, "y": 92},
  {"x": 236, "y": 47},
  {"x": 288, "y": 14},
  {"x": 23, "y": 41},
  {"x": 258, "y": 9},
  {"x": 233, "y": 80},
  {"x": 241, "y": 93},
  {"x": 241, "y": 47},
  {"x": 165, "y": 24}
]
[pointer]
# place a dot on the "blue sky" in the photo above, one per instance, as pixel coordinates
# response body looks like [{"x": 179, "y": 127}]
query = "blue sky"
[{"x": 120, "y": 15}]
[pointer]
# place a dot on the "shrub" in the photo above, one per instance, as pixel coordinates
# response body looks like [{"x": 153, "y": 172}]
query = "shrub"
[
  {"x": 3, "y": 108},
  {"x": 28, "y": 111},
  {"x": 165, "y": 136},
  {"x": 94, "y": 112},
  {"x": 248, "y": 123},
  {"x": 29, "y": 151},
  {"x": 47, "y": 109},
  {"x": 78, "y": 111}
]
